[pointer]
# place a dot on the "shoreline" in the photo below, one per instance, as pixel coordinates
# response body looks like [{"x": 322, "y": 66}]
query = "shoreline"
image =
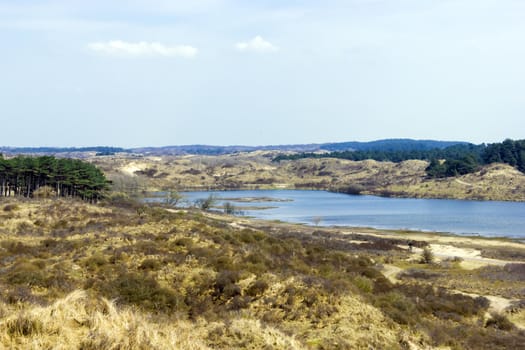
[
  {"x": 429, "y": 220},
  {"x": 402, "y": 195},
  {"x": 476, "y": 251}
]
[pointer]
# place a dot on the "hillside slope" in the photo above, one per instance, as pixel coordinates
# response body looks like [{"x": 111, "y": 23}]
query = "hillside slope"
[
  {"x": 187, "y": 280},
  {"x": 256, "y": 170}
]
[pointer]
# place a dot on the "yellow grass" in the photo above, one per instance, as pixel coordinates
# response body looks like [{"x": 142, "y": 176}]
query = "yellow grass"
[{"x": 86, "y": 322}]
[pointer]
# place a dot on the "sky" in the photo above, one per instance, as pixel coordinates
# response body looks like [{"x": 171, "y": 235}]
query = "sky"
[{"x": 228, "y": 72}]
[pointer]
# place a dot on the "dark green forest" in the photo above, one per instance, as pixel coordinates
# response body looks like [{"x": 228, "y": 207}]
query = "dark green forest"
[
  {"x": 22, "y": 176},
  {"x": 444, "y": 162}
]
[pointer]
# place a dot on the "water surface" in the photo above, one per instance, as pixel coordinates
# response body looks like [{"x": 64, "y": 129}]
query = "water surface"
[{"x": 486, "y": 218}]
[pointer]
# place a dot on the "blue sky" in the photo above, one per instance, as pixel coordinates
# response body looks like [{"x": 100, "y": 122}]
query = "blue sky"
[{"x": 159, "y": 72}]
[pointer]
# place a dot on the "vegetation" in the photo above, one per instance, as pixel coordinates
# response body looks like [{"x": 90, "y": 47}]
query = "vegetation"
[
  {"x": 396, "y": 156},
  {"x": 188, "y": 280},
  {"x": 173, "y": 198},
  {"x": 47, "y": 176},
  {"x": 427, "y": 257},
  {"x": 444, "y": 162},
  {"x": 508, "y": 151},
  {"x": 54, "y": 150}
]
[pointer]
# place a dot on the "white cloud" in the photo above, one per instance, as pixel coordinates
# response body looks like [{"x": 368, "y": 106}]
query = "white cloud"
[
  {"x": 143, "y": 48},
  {"x": 257, "y": 44}
]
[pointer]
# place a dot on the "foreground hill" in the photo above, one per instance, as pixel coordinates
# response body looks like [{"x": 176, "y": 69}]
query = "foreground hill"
[
  {"x": 256, "y": 170},
  {"x": 128, "y": 276}
]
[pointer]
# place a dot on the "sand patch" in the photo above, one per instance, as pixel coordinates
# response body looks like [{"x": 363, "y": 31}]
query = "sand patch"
[{"x": 133, "y": 167}]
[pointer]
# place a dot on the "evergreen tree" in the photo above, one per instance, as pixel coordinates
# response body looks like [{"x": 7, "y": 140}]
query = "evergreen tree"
[{"x": 21, "y": 176}]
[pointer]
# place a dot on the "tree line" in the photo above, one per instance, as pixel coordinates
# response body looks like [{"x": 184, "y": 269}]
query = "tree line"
[
  {"x": 49, "y": 150},
  {"x": 444, "y": 162},
  {"x": 22, "y": 176}
]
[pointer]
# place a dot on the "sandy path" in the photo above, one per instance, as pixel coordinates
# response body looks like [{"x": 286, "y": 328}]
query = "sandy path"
[
  {"x": 390, "y": 272},
  {"x": 131, "y": 168},
  {"x": 471, "y": 258}
]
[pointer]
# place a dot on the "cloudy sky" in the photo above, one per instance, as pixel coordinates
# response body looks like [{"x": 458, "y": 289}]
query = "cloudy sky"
[{"x": 159, "y": 72}]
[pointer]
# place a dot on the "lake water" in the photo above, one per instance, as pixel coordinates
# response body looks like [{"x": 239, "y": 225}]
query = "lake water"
[{"x": 486, "y": 218}]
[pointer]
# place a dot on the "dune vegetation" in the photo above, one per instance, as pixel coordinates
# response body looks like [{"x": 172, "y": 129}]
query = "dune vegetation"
[
  {"x": 256, "y": 170},
  {"x": 124, "y": 275}
]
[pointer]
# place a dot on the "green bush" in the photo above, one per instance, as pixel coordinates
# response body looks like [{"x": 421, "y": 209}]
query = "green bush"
[
  {"x": 398, "y": 307},
  {"x": 364, "y": 284}
]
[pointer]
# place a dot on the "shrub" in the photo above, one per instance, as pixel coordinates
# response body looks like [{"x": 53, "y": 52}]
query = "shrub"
[
  {"x": 499, "y": 321},
  {"x": 44, "y": 192},
  {"x": 206, "y": 204},
  {"x": 363, "y": 283},
  {"x": 95, "y": 261},
  {"x": 418, "y": 274},
  {"x": 225, "y": 286},
  {"x": 398, "y": 307},
  {"x": 239, "y": 302},
  {"x": 229, "y": 208},
  {"x": 145, "y": 291},
  {"x": 516, "y": 270},
  {"x": 257, "y": 288},
  {"x": 121, "y": 200},
  {"x": 354, "y": 189},
  {"x": 150, "y": 264},
  {"x": 18, "y": 248},
  {"x": 11, "y": 207},
  {"x": 20, "y": 294},
  {"x": 26, "y": 273},
  {"x": 427, "y": 257}
]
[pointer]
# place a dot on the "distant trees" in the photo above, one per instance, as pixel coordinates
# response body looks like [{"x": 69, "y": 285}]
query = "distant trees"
[
  {"x": 396, "y": 156},
  {"x": 508, "y": 151},
  {"x": 452, "y": 167},
  {"x": 444, "y": 162},
  {"x": 22, "y": 176}
]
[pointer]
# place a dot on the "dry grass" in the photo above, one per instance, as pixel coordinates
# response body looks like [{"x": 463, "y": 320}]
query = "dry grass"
[
  {"x": 82, "y": 321},
  {"x": 255, "y": 170},
  {"x": 129, "y": 276}
]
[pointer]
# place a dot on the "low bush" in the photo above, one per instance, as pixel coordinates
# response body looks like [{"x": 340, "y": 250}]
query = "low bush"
[
  {"x": 18, "y": 248},
  {"x": 145, "y": 291},
  {"x": 95, "y": 261},
  {"x": 257, "y": 288},
  {"x": 150, "y": 264},
  {"x": 499, "y": 321},
  {"x": 398, "y": 307},
  {"x": 225, "y": 285},
  {"x": 11, "y": 207},
  {"x": 364, "y": 284},
  {"x": 44, "y": 192},
  {"x": 427, "y": 257},
  {"x": 418, "y": 274},
  {"x": 27, "y": 273}
]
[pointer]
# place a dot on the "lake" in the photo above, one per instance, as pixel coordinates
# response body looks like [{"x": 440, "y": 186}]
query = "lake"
[{"x": 485, "y": 218}]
